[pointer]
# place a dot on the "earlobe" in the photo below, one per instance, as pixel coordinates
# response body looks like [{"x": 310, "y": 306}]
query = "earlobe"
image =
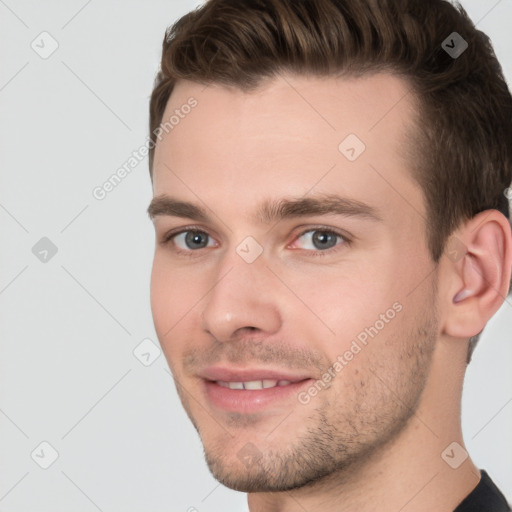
[{"x": 480, "y": 280}]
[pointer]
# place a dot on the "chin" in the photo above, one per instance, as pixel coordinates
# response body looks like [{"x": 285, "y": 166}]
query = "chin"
[{"x": 270, "y": 473}]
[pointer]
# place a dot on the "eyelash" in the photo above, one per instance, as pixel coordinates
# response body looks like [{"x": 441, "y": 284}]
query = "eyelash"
[{"x": 318, "y": 253}]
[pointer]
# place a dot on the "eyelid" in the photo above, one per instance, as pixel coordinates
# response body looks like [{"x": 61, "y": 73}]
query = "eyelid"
[
  {"x": 346, "y": 239},
  {"x": 168, "y": 235}
]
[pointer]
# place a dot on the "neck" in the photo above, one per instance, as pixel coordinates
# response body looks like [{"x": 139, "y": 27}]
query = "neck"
[{"x": 413, "y": 472}]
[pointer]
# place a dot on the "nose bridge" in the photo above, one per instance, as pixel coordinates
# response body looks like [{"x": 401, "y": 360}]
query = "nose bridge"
[{"x": 239, "y": 297}]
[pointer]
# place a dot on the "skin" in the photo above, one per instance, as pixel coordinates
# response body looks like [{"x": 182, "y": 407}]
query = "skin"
[{"x": 375, "y": 434}]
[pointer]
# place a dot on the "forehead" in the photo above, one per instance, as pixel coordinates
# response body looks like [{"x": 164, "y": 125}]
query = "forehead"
[{"x": 291, "y": 135}]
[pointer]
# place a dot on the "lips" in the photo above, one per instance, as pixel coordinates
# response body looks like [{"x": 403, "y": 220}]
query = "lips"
[{"x": 251, "y": 390}]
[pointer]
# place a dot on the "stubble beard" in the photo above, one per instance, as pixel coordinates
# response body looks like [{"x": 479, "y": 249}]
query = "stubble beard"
[{"x": 345, "y": 429}]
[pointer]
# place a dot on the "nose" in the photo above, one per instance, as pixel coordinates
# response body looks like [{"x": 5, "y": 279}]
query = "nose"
[{"x": 241, "y": 299}]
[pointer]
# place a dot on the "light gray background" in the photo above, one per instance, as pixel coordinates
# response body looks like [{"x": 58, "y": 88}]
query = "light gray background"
[{"x": 68, "y": 375}]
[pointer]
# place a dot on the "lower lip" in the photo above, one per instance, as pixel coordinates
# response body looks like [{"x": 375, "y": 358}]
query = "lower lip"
[{"x": 252, "y": 400}]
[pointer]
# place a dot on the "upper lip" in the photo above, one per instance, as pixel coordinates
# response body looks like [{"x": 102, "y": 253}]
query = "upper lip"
[{"x": 217, "y": 373}]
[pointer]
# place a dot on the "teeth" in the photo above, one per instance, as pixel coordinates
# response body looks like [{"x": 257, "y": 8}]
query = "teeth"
[{"x": 254, "y": 384}]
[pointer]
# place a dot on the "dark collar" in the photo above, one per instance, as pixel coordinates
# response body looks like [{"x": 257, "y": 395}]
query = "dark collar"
[{"x": 485, "y": 497}]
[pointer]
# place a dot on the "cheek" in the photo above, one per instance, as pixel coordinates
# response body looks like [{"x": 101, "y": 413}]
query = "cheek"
[
  {"x": 342, "y": 298},
  {"x": 171, "y": 299},
  {"x": 349, "y": 306}
]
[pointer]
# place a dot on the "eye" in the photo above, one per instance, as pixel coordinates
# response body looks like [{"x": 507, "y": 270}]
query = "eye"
[
  {"x": 319, "y": 239},
  {"x": 191, "y": 240}
]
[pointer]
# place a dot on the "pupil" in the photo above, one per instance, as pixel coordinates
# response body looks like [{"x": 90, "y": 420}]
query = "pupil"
[
  {"x": 195, "y": 239},
  {"x": 322, "y": 240}
]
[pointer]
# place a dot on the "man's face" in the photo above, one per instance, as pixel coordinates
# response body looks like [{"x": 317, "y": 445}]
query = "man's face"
[{"x": 298, "y": 313}]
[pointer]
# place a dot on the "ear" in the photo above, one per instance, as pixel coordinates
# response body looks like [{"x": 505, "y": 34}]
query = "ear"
[{"x": 476, "y": 276}]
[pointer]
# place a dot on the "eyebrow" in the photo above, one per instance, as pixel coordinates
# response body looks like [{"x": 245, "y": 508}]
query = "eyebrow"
[{"x": 271, "y": 210}]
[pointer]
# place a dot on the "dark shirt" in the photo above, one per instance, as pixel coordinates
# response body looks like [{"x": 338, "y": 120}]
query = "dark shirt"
[{"x": 485, "y": 497}]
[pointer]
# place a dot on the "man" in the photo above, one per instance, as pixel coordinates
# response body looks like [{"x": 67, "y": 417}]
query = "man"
[{"x": 332, "y": 230}]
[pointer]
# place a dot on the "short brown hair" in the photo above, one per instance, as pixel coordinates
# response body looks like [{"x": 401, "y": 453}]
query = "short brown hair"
[{"x": 463, "y": 142}]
